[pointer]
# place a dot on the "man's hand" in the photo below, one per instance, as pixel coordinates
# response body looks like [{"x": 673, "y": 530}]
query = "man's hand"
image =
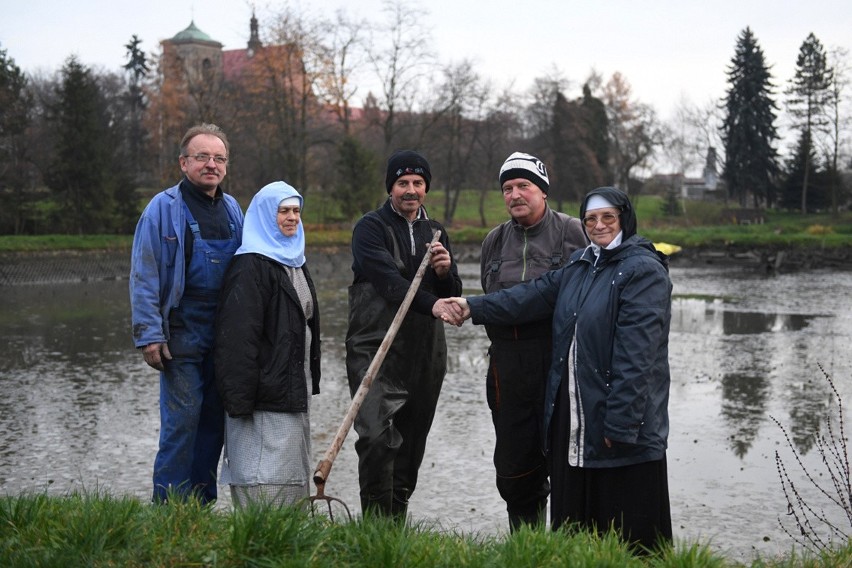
[
  {"x": 451, "y": 310},
  {"x": 155, "y": 355},
  {"x": 440, "y": 261}
]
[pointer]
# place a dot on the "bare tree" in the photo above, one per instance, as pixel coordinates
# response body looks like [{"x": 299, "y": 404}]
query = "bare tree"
[
  {"x": 688, "y": 135},
  {"x": 277, "y": 118},
  {"x": 538, "y": 112},
  {"x": 838, "y": 120},
  {"x": 343, "y": 52},
  {"x": 500, "y": 126},
  {"x": 459, "y": 109},
  {"x": 634, "y": 130},
  {"x": 399, "y": 59}
]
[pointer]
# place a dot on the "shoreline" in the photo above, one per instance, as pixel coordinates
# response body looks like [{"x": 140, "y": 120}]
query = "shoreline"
[
  {"x": 770, "y": 258},
  {"x": 45, "y": 267}
]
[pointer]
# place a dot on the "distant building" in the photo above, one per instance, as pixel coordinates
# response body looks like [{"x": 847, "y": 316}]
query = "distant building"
[
  {"x": 708, "y": 187},
  {"x": 199, "y": 56}
]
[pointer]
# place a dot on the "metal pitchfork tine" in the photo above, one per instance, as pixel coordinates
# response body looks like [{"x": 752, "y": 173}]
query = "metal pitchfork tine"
[{"x": 324, "y": 466}]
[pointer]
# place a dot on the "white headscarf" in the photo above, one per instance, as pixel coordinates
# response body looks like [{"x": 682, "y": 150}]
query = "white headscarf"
[{"x": 261, "y": 234}]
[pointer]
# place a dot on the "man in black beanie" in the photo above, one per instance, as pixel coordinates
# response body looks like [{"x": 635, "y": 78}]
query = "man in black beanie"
[{"x": 388, "y": 245}]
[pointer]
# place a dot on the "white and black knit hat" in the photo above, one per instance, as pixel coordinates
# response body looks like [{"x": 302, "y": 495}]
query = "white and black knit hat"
[{"x": 520, "y": 165}]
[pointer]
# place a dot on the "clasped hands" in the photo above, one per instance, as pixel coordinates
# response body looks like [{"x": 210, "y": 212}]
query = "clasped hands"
[{"x": 451, "y": 310}]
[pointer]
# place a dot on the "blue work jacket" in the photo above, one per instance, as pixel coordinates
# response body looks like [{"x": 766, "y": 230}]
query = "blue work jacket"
[{"x": 158, "y": 266}]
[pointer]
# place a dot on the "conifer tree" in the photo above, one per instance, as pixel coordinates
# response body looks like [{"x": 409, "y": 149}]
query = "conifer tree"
[
  {"x": 803, "y": 164},
  {"x": 15, "y": 102},
  {"x": 357, "y": 170},
  {"x": 81, "y": 156},
  {"x": 136, "y": 69},
  {"x": 809, "y": 96},
  {"x": 748, "y": 129},
  {"x": 597, "y": 128},
  {"x": 574, "y": 165}
]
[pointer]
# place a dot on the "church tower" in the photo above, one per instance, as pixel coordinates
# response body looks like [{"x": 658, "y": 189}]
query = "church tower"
[
  {"x": 193, "y": 57},
  {"x": 254, "y": 43}
]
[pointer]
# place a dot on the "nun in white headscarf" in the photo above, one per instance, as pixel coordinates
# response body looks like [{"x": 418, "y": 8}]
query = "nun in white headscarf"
[{"x": 267, "y": 354}]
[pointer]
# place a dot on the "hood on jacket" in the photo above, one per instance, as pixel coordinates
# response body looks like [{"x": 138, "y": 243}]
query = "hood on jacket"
[{"x": 619, "y": 199}]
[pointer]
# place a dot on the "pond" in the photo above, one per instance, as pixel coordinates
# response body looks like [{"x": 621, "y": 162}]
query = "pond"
[{"x": 79, "y": 410}]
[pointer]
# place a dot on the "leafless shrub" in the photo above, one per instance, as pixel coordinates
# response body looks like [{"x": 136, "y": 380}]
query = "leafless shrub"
[{"x": 815, "y": 527}]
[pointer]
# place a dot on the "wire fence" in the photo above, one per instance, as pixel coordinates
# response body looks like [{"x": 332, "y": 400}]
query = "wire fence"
[{"x": 23, "y": 269}]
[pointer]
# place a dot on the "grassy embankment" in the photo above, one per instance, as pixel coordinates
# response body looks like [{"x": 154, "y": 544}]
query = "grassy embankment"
[
  {"x": 699, "y": 226},
  {"x": 100, "y": 530}
]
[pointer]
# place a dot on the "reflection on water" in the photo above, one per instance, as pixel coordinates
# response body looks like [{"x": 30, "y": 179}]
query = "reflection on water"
[
  {"x": 80, "y": 411},
  {"x": 711, "y": 316},
  {"x": 744, "y": 399}
]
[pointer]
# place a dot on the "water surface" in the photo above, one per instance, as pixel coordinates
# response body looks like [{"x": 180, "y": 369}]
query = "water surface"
[{"x": 80, "y": 412}]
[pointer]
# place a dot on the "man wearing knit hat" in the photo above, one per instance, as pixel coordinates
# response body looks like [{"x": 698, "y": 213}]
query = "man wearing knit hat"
[
  {"x": 534, "y": 240},
  {"x": 388, "y": 245}
]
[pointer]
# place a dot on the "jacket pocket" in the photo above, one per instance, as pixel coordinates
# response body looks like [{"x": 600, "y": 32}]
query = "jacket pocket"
[{"x": 170, "y": 247}]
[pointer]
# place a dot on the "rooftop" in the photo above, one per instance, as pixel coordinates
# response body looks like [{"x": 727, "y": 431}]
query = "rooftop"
[{"x": 193, "y": 35}]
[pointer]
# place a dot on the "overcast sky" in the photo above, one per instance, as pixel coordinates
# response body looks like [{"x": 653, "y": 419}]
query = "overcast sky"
[{"x": 667, "y": 49}]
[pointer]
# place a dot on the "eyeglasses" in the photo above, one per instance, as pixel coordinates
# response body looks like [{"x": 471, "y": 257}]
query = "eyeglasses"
[
  {"x": 606, "y": 219},
  {"x": 204, "y": 158}
]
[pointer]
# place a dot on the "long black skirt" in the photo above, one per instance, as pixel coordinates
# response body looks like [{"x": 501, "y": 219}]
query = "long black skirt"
[{"x": 633, "y": 499}]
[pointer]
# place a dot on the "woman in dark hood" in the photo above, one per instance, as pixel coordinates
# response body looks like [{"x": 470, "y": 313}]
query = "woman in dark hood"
[{"x": 606, "y": 419}]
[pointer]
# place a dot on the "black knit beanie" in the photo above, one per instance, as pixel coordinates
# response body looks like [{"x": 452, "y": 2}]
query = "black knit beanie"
[{"x": 407, "y": 162}]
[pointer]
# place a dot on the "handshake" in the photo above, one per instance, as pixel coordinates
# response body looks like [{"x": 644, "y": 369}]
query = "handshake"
[{"x": 451, "y": 310}]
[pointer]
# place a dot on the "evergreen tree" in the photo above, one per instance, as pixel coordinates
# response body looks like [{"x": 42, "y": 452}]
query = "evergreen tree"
[
  {"x": 809, "y": 95},
  {"x": 597, "y": 131},
  {"x": 15, "y": 102},
  {"x": 81, "y": 158},
  {"x": 137, "y": 69},
  {"x": 670, "y": 206},
  {"x": 574, "y": 166},
  {"x": 748, "y": 129},
  {"x": 804, "y": 164},
  {"x": 357, "y": 190}
]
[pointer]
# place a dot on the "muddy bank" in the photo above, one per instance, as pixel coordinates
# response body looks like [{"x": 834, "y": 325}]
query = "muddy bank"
[
  {"x": 769, "y": 258},
  {"x": 22, "y": 268}
]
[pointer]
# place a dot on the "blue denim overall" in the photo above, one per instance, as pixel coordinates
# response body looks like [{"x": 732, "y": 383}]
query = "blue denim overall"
[{"x": 191, "y": 412}]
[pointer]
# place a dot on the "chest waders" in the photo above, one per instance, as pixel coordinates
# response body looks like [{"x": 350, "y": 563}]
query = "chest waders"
[
  {"x": 396, "y": 414},
  {"x": 519, "y": 360},
  {"x": 191, "y": 412}
]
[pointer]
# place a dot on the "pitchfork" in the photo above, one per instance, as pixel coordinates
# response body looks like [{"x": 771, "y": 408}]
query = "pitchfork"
[{"x": 324, "y": 466}]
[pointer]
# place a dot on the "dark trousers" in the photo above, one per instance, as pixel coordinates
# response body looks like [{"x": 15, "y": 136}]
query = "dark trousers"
[
  {"x": 515, "y": 391},
  {"x": 395, "y": 417}
]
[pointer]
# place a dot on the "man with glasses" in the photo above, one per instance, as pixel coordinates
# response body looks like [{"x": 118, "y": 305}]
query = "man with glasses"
[
  {"x": 534, "y": 240},
  {"x": 183, "y": 243}
]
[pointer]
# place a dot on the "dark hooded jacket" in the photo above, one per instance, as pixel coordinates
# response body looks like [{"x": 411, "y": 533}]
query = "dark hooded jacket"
[{"x": 610, "y": 344}]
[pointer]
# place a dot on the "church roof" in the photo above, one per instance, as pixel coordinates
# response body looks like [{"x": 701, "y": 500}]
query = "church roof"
[{"x": 193, "y": 35}]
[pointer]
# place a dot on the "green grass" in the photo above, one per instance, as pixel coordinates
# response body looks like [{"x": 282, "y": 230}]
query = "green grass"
[
  {"x": 699, "y": 226},
  {"x": 28, "y": 243},
  {"x": 102, "y": 530}
]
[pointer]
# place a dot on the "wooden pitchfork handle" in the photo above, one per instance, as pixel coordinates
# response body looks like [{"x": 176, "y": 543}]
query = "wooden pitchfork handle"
[{"x": 324, "y": 466}]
